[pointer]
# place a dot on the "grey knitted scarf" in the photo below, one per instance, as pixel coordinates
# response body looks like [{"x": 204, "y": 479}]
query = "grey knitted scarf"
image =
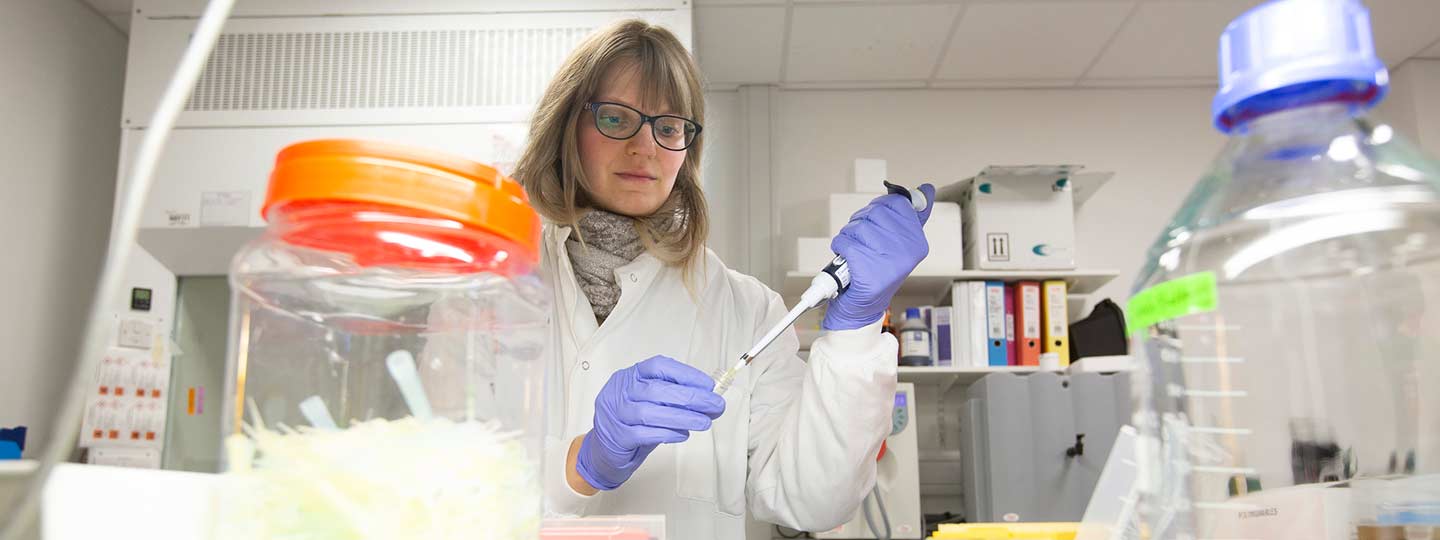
[{"x": 611, "y": 241}]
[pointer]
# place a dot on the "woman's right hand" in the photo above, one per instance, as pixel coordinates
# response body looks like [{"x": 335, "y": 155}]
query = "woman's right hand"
[{"x": 655, "y": 401}]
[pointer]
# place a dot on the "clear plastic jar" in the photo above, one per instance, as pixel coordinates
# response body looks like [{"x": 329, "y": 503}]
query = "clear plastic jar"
[
  {"x": 1287, "y": 315},
  {"x": 385, "y": 370}
]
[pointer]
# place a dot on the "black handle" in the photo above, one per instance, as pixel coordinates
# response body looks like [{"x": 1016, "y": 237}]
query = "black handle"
[{"x": 1079, "y": 448}]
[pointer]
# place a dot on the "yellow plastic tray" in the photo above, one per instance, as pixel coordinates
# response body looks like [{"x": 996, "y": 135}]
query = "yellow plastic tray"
[{"x": 1007, "y": 531}]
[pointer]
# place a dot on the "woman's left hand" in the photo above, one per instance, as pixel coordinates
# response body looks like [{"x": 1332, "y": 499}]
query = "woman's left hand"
[{"x": 882, "y": 244}]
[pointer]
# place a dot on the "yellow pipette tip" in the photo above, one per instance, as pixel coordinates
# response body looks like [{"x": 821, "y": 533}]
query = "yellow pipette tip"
[{"x": 722, "y": 382}]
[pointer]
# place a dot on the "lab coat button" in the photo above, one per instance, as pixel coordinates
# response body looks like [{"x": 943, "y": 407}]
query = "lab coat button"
[
  {"x": 585, "y": 365},
  {"x": 633, "y": 279}
]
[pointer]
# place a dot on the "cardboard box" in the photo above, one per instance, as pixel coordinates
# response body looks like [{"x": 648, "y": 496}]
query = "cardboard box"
[
  {"x": 868, "y": 176},
  {"x": 844, "y": 205},
  {"x": 812, "y": 254},
  {"x": 1017, "y": 218}
]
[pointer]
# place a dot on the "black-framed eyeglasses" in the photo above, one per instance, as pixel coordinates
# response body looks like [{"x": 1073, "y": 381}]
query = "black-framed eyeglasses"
[{"x": 621, "y": 122}]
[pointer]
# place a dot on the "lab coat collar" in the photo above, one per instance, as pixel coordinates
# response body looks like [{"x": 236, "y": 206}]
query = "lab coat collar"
[{"x": 634, "y": 279}]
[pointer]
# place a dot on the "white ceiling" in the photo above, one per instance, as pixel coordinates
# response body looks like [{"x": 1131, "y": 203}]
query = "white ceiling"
[
  {"x": 982, "y": 43},
  {"x": 997, "y": 43}
]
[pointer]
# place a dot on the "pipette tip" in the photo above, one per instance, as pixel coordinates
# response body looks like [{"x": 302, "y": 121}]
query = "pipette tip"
[{"x": 722, "y": 383}]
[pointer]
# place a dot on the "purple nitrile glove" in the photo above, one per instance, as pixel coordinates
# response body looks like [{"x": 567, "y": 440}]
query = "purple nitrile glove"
[
  {"x": 882, "y": 244},
  {"x": 655, "y": 401}
]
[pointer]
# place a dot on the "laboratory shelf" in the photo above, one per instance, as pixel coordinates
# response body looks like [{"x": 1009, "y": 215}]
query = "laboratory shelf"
[
  {"x": 949, "y": 376},
  {"x": 1080, "y": 281},
  {"x": 18, "y": 467}
]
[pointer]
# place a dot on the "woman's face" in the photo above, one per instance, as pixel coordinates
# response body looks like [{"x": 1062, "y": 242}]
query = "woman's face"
[{"x": 632, "y": 177}]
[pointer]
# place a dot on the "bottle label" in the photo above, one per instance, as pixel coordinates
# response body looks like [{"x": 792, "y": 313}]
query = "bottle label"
[{"x": 915, "y": 343}]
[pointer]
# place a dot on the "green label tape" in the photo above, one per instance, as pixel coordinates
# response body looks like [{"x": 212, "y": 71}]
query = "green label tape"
[{"x": 1172, "y": 299}]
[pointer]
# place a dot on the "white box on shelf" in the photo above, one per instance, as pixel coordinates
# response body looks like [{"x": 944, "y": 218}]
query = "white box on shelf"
[
  {"x": 1017, "y": 218},
  {"x": 1315, "y": 511},
  {"x": 868, "y": 176},
  {"x": 812, "y": 254},
  {"x": 844, "y": 205},
  {"x": 1103, "y": 364},
  {"x": 942, "y": 231}
]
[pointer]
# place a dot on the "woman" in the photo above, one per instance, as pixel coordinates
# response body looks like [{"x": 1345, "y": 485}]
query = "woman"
[{"x": 644, "y": 312}]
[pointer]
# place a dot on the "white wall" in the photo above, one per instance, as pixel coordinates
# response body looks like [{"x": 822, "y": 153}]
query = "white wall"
[
  {"x": 1157, "y": 142},
  {"x": 61, "y": 79},
  {"x": 722, "y": 178}
]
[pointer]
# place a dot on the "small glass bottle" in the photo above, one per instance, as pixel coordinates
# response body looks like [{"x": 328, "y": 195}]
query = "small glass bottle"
[{"x": 914, "y": 340}]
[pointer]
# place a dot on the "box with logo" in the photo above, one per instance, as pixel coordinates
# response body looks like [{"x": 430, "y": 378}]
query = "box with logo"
[{"x": 1018, "y": 218}]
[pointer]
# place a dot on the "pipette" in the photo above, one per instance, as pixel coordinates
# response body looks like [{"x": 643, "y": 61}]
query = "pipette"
[{"x": 830, "y": 282}]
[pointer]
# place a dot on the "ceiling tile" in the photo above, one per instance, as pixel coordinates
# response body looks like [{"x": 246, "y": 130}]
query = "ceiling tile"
[
  {"x": 866, "y": 42},
  {"x": 740, "y": 44},
  {"x": 1031, "y": 40},
  {"x": 1403, "y": 28},
  {"x": 1167, "y": 39}
]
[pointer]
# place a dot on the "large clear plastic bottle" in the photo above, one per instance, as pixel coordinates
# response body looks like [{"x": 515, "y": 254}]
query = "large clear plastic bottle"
[
  {"x": 386, "y": 370},
  {"x": 1288, "y": 317}
]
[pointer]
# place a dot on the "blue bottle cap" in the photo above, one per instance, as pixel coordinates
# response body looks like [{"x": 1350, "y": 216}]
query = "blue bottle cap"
[
  {"x": 1288, "y": 53},
  {"x": 912, "y": 313}
]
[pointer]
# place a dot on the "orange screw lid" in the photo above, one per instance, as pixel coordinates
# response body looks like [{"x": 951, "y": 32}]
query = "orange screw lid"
[{"x": 438, "y": 183}]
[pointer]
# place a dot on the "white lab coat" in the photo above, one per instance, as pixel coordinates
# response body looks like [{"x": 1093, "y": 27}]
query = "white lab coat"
[{"x": 797, "y": 441}]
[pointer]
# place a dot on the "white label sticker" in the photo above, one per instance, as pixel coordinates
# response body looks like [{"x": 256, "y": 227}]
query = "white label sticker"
[
  {"x": 177, "y": 219},
  {"x": 1030, "y": 298},
  {"x": 135, "y": 333},
  {"x": 995, "y": 303},
  {"x": 224, "y": 208},
  {"x": 1056, "y": 296},
  {"x": 1010, "y": 327}
]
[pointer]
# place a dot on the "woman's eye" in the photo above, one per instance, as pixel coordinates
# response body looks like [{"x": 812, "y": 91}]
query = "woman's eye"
[
  {"x": 611, "y": 120},
  {"x": 669, "y": 131}
]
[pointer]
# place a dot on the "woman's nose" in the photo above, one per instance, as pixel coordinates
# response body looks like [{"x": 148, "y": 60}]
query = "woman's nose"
[{"x": 643, "y": 143}]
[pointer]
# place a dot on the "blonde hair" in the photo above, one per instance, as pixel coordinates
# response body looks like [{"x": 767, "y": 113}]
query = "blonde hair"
[{"x": 550, "y": 166}]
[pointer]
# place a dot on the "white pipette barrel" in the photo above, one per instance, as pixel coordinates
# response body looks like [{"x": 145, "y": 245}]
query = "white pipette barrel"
[{"x": 830, "y": 282}]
